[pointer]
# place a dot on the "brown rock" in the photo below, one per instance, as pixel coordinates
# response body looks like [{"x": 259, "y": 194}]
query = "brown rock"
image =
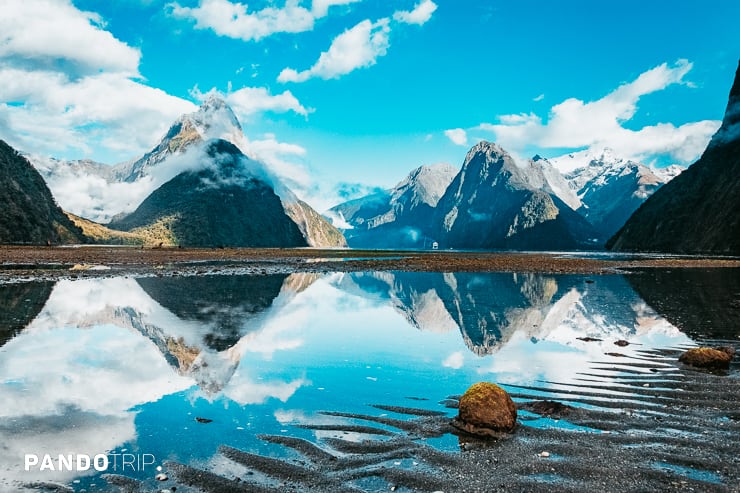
[
  {"x": 486, "y": 410},
  {"x": 705, "y": 357}
]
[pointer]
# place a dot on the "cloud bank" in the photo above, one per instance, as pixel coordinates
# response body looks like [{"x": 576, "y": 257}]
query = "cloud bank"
[{"x": 597, "y": 124}]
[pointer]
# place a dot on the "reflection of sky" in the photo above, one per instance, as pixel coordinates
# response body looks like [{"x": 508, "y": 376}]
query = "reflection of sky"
[{"x": 91, "y": 372}]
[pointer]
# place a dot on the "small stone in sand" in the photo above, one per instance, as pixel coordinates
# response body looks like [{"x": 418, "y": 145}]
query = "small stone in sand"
[{"x": 545, "y": 454}]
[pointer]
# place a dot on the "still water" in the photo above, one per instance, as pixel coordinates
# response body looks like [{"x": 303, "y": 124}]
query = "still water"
[{"x": 173, "y": 367}]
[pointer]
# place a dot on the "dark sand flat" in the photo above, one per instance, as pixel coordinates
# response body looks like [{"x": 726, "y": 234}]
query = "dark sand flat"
[{"x": 63, "y": 262}]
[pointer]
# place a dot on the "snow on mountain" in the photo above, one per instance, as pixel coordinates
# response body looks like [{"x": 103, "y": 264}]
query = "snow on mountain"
[
  {"x": 668, "y": 173},
  {"x": 610, "y": 188},
  {"x": 213, "y": 120},
  {"x": 554, "y": 182},
  {"x": 495, "y": 202}
]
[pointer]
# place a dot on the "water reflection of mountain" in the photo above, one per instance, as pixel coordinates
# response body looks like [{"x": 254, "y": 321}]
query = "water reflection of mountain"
[
  {"x": 223, "y": 305},
  {"x": 199, "y": 324},
  {"x": 19, "y": 304},
  {"x": 702, "y": 303},
  {"x": 488, "y": 308}
]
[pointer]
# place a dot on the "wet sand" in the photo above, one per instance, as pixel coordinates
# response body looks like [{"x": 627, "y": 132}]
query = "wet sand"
[
  {"x": 65, "y": 262},
  {"x": 662, "y": 427}
]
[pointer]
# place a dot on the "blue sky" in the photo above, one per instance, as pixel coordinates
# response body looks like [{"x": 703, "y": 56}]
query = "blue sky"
[{"x": 341, "y": 92}]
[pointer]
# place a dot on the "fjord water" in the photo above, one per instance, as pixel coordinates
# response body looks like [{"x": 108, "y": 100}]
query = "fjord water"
[{"x": 99, "y": 366}]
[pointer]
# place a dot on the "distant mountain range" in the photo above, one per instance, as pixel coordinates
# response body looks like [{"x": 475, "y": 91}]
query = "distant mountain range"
[
  {"x": 396, "y": 217},
  {"x": 576, "y": 201},
  {"x": 698, "y": 211},
  {"x": 198, "y": 187}
]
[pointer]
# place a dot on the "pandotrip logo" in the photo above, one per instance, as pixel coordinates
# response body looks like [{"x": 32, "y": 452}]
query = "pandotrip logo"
[{"x": 113, "y": 462}]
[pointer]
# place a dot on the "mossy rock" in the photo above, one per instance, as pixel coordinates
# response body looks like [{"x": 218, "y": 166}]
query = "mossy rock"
[
  {"x": 710, "y": 358},
  {"x": 486, "y": 410}
]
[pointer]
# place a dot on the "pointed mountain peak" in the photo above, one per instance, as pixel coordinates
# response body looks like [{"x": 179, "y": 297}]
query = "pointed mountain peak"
[
  {"x": 215, "y": 119},
  {"x": 487, "y": 148},
  {"x": 484, "y": 154}
]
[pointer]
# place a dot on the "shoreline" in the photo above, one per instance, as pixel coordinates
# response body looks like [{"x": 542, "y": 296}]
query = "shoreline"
[{"x": 22, "y": 262}]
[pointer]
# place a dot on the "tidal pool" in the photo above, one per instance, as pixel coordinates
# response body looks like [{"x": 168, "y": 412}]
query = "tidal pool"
[{"x": 172, "y": 368}]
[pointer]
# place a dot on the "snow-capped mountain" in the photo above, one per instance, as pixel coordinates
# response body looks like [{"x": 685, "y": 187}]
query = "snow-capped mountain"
[
  {"x": 395, "y": 217},
  {"x": 213, "y": 120},
  {"x": 496, "y": 203},
  {"x": 610, "y": 188}
]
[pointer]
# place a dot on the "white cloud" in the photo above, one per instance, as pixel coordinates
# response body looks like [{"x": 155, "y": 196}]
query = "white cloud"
[
  {"x": 539, "y": 98},
  {"x": 357, "y": 47},
  {"x": 421, "y": 13},
  {"x": 320, "y": 8},
  {"x": 249, "y": 101},
  {"x": 457, "y": 135},
  {"x": 68, "y": 84},
  {"x": 41, "y": 33},
  {"x": 235, "y": 20},
  {"x": 56, "y": 113},
  {"x": 574, "y": 123}
]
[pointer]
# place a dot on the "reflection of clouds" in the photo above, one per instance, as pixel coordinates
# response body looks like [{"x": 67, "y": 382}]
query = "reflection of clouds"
[
  {"x": 104, "y": 370},
  {"x": 555, "y": 354},
  {"x": 297, "y": 417},
  {"x": 70, "y": 391},
  {"x": 245, "y": 391},
  {"x": 455, "y": 361},
  {"x": 95, "y": 351},
  {"x": 73, "y": 432}
]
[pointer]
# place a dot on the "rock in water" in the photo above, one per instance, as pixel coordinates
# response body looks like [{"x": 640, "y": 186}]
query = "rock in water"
[
  {"x": 704, "y": 357},
  {"x": 486, "y": 409}
]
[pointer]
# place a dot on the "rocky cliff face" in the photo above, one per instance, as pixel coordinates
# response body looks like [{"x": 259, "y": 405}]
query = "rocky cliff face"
[
  {"x": 29, "y": 213},
  {"x": 493, "y": 203},
  {"x": 696, "y": 212}
]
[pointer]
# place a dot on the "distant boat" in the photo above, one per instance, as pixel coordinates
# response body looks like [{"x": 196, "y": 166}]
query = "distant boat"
[{"x": 435, "y": 245}]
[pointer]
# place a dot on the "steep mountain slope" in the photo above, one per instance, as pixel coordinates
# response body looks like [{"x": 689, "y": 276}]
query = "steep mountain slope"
[
  {"x": 220, "y": 202},
  {"x": 696, "y": 212},
  {"x": 29, "y": 213},
  {"x": 608, "y": 187},
  {"x": 398, "y": 217},
  {"x": 493, "y": 203}
]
